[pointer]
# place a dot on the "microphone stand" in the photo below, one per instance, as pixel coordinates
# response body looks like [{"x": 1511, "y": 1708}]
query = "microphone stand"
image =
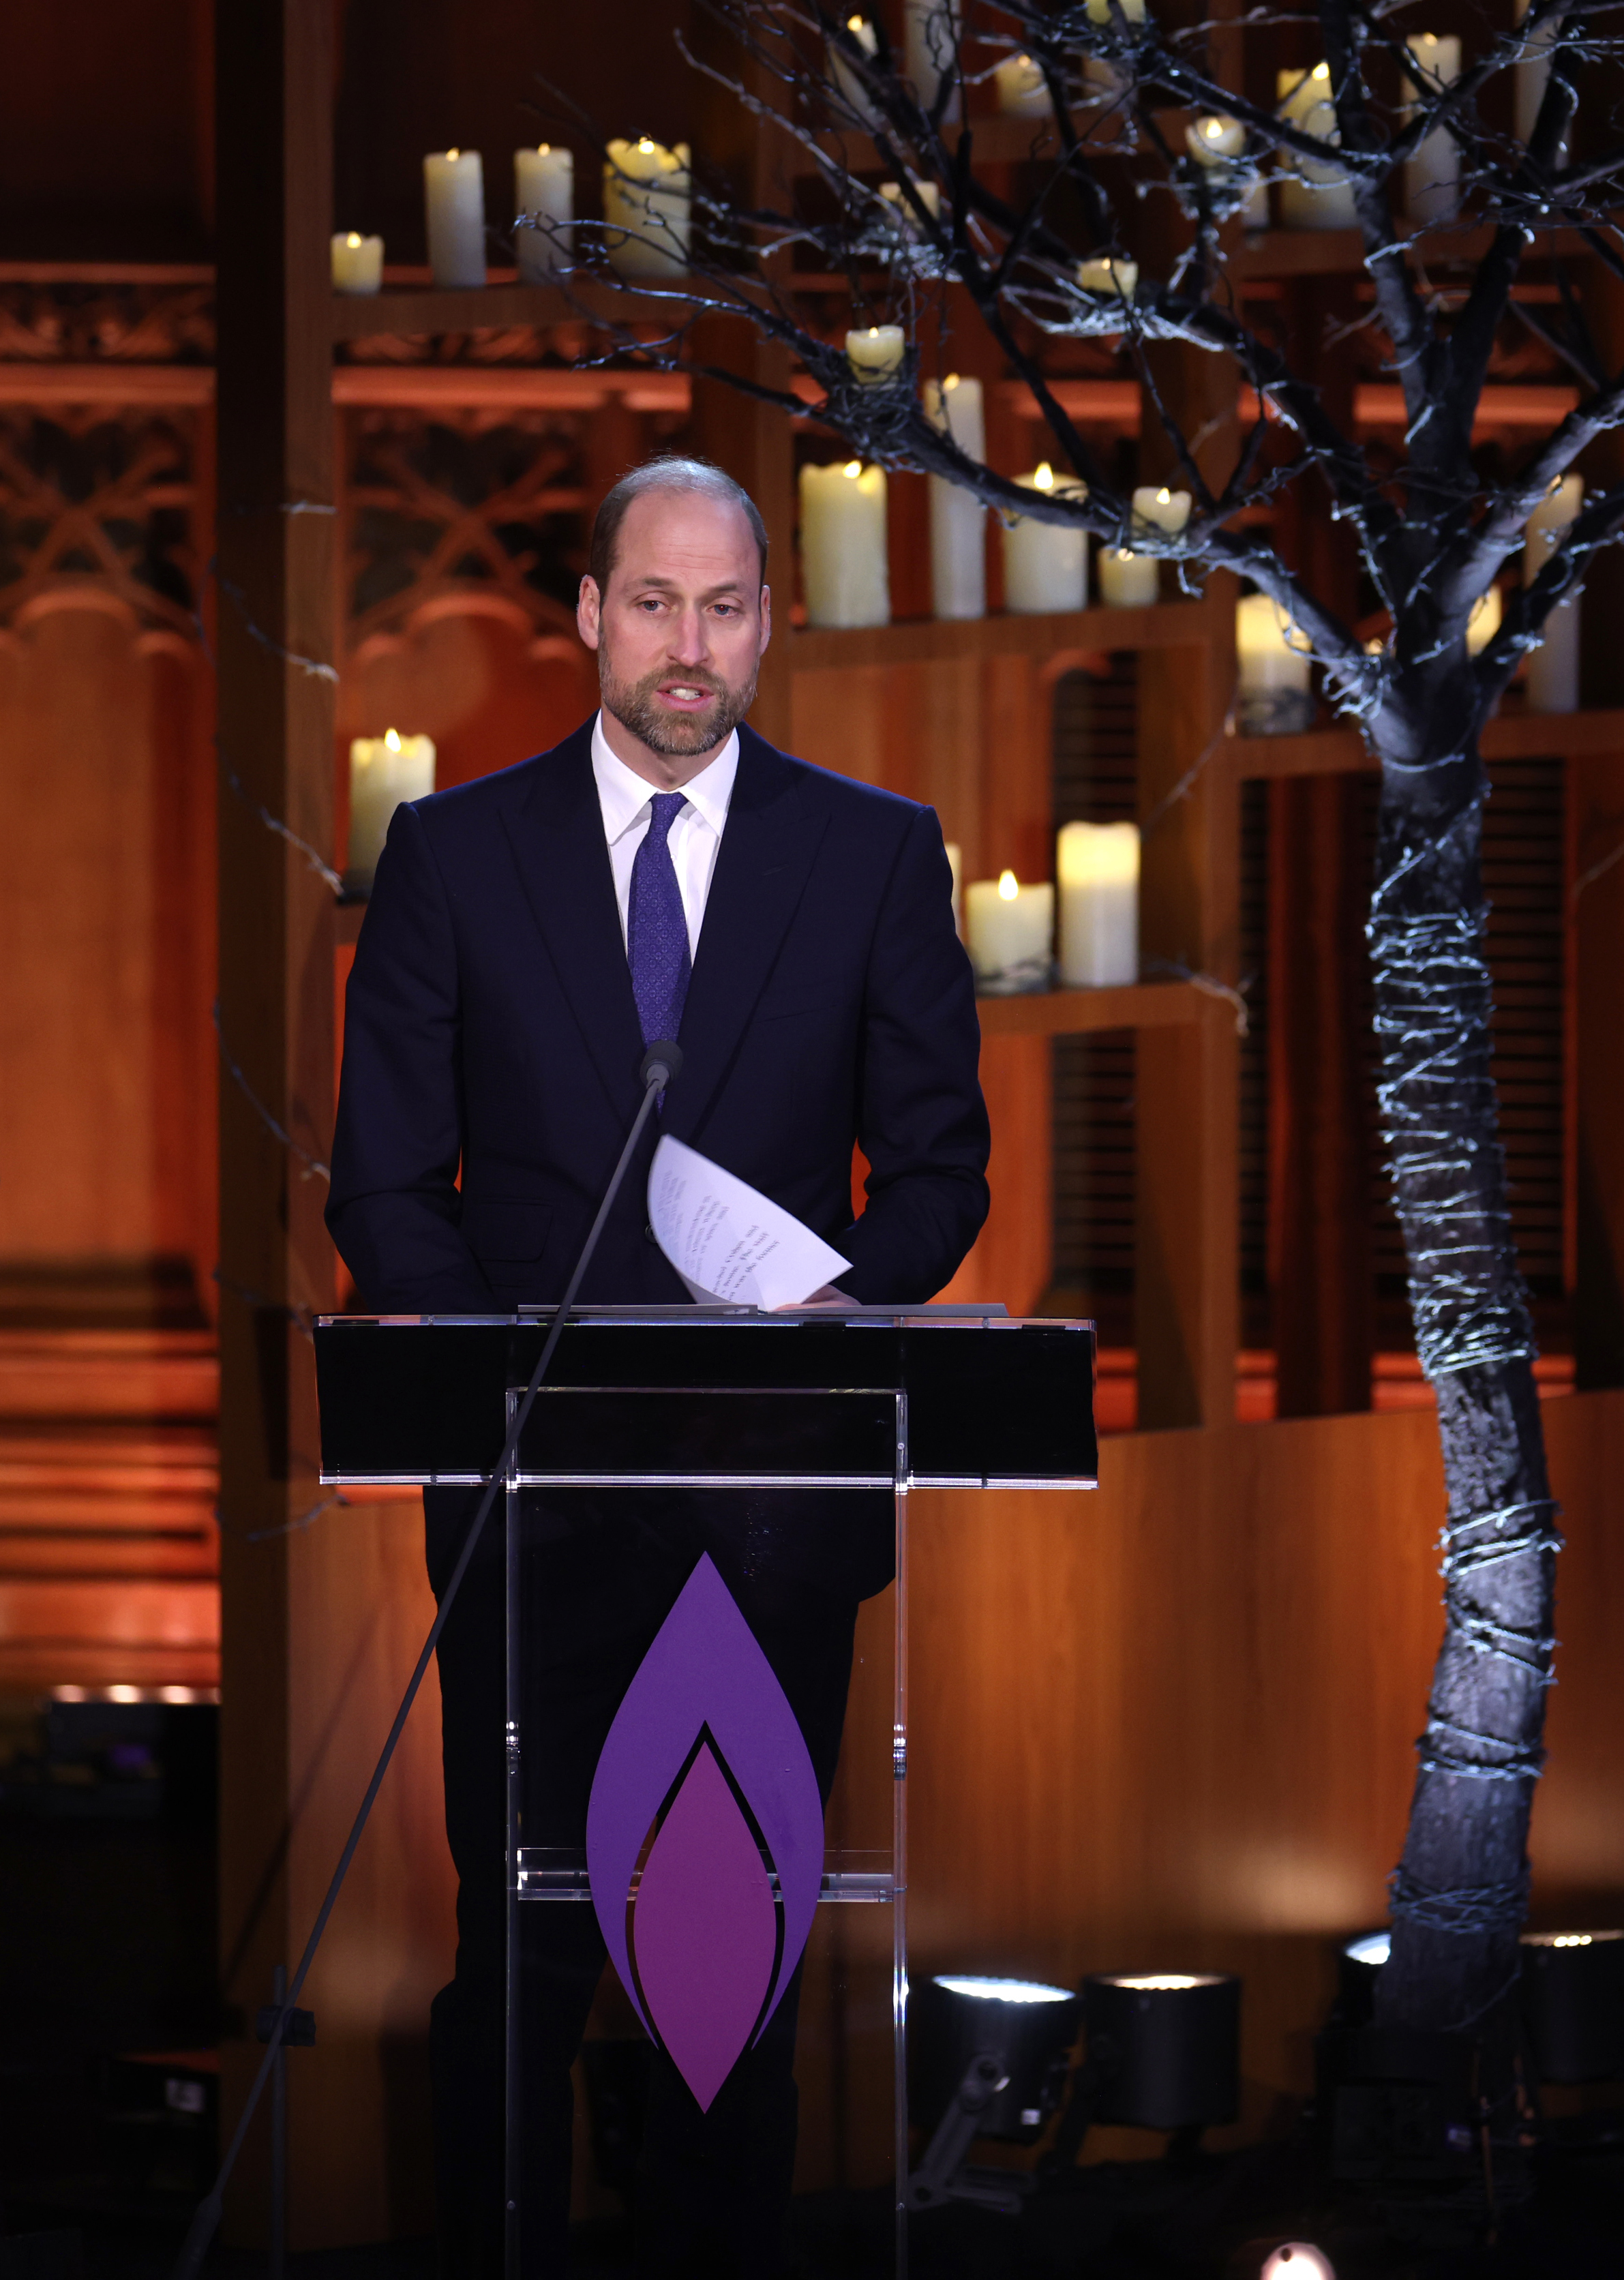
[{"x": 661, "y": 1063}]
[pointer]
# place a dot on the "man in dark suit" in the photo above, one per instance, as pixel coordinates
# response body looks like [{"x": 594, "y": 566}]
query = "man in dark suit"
[{"x": 663, "y": 872}]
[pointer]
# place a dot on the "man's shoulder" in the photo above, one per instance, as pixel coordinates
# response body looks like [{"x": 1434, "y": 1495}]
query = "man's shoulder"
[
  {"x": 473, "y": 806},
  {"x": 845, "y": 799}
]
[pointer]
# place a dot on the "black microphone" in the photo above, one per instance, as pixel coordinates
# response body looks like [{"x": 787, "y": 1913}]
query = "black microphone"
[{"x": 661, "y": 1063}]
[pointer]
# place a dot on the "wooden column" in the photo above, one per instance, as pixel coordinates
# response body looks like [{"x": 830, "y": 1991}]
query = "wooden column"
[
  {"x": 1320, "y": 1169},
  {"x": 276, "y": 711},
  {"x": 1185, "y": 1276}
]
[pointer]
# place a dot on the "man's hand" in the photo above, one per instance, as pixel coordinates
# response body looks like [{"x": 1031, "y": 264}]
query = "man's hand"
[{"x": 836, "y": 1301}]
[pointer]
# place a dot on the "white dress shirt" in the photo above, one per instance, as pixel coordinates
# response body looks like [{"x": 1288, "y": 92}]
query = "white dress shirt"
[{"x": 694, "y": 839}]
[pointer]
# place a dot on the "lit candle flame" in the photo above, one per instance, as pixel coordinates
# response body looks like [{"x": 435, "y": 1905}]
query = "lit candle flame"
[
  {"x": 391, "y": 741},
  {"x": 354, "y": 238},
  {"x": 453, "y": 154},
  {"x": 1044, "y": 481},
  {"x": 645, "y": 145},
  {"x": 950, "y": 382},
  {"x": 852, "y": 469},
  {"x": 1164, "y": 498},
  {"x": 1009, "y": 886}
]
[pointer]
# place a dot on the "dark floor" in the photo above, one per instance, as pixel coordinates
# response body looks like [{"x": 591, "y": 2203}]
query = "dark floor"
[{"x": 107, "y": 1948}]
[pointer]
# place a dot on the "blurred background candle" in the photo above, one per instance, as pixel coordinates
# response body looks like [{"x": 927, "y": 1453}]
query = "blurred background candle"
[
  {"x": 844, "y": 573},
  {"x": 1103, "y": 275},
  {"x": 955, "y": 864},
  {"x": 357, "y": 263},
  {"x": 1484, "y": 622},
  {"x": 1157, "y": 508},
  {"x": 875, "y": 354},
  {"x": 1432, "y": 178},
  {"x": 1045, "y": 563},
  {"x": 544, "y": 186},
  {"x": 454, "y": 199},
  {"x": 648, "y": 190},
  {"x": 957, "y": 519},
  {"x": 930, "y": 46},
  {"x": 1099, "y": 11},
  {"x": 1552, "y": 671},
  {"x": 1314, "y": 195},
  {"x": 1220, "y": 141},
  {"x": 1531, "y": 75},
  {"x": 384, "y": 772},
  {"x": 1023, "y": 91},
  {"x": 1098, "y": 867},
  {"x": 845, "y": 75},
  {"x": 1128, "y": 580},
  {"x": 1273, "y": 695},
  {"x": 1009, "y": 931}
]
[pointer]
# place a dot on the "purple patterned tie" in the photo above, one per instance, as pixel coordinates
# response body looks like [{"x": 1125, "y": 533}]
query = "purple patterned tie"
[{"x": 656, "y": 931}]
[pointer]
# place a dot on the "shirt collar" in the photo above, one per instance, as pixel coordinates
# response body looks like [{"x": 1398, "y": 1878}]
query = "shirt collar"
[{"x": 624, "y": 795}]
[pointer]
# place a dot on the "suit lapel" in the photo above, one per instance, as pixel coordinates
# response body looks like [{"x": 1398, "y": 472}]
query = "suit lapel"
[
  {"x": 768, "y": 844},
  {"x": 556, "y": 827}
]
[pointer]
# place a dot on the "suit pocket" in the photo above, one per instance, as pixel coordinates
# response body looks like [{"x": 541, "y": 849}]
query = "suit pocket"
[{"x": 501, "y": 1232}]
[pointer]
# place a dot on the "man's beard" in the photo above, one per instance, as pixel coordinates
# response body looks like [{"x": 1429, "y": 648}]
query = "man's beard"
[{"x": 676, "y": 735}]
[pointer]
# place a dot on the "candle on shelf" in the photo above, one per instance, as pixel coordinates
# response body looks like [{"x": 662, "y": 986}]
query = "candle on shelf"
[
  {"x": 1128, "y": 580},
  {"x": 1157, "y": 508},
  {"x": 384, "y": 772},
  {"x": 357, "y": 263},
  {"x": 454, "y": 199},
  {"x": 957, "y": 519},
  {"x": 1218, "y": 141},
  {"x": 1315, "y": 194},
  {"x": 1100, "y": 11},
  {"x": 1023, "y": 91},
  {"x": 875, "y": 355},
  {"x": 955, "y": 864},
  {"x": 1097, "y": 866},
  {"x": 1009, "y": 931},
  {"x": 1273, "y": 696},
  {"x": 543, "y": 186},
  {"x": 1107, "y": 276},
  {"x": 1045, "y": 563},
  {"x": 648, "y": 194},
  {"x": 844, "y": 73},
  {"x": 1432, "y": 177},
  {"x": 1552, "y": 670},
  {"x": 1531, "y": 74},
  {"x": 1484, "y": 622},
  {"x": 843, "y": 566},
  {"x": 930, "y": 49}
]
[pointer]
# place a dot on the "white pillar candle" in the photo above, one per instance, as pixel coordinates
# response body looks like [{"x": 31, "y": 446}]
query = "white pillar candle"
[
  {"x": 846, "y": 78},
  {"x": 1432, "y": 177},
  {"x": 1108, "y": 276},
  {"x": 1157, "y": 508},
  {"x": 1128, "y": 580},
  {"x": 1009, "y": 930},
  {"x": 648, "y": 190},
  {"x": 1484, "y": 622},
  {"x": 1215, "y": 140},
  {"x": 454, "y": 199},
  {"x": 543, "y": 186},
  {"x": 875, "y": 354},
  {"x": 1552, "y": 670},
  {"x": 1097, "y": 866},
  {"x": 931, "y": 49},
  {"x": 1023, "y": 91},
  {"x": 1274, "y": 697},
  {"x": 357, "y": 263},
  {"x": 927, "y": 194},
  {"x": 1100, "y": 11},
  {"x": 957, "y": 519},
  {"x": 1314, "y": 195},
  {"x": 955, "y": 864},
  {"x": 1531, "y": 75},
  {"x": 1045, "y": 563},
  {"x": 384, "y": 772},
  {"x": 843, "y": 566}
]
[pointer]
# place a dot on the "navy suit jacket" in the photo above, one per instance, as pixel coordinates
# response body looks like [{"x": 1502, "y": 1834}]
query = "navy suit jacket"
[{"x": 490, "y": 1030}]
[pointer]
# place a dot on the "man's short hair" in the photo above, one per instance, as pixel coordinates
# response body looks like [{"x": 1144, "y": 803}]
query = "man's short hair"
[{"x": 698, "y": 476}]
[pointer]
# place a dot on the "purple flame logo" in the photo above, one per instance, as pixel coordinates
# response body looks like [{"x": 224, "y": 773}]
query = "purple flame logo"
[{"x": 707, "y": 1718}]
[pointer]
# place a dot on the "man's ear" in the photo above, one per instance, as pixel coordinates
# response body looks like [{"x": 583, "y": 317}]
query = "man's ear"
[
  {"x": 588, "y": 606},
  {"x": 766, "y": 619}
]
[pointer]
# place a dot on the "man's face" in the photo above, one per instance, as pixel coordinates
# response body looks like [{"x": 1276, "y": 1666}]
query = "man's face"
[{"x": 680, "y": 630}]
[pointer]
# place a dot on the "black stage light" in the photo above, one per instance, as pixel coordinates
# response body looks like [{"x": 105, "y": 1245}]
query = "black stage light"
[
  {"x": 1358, "y": 1962},
  {"x": 986, "y": 2058},
  {"x": 1573, "y": 2004},
  {"x": 1175, "y": 2040}
]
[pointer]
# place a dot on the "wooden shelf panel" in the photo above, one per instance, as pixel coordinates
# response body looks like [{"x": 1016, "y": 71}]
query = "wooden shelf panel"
[
  {"x": 998, "y": 140},
  {"x": 927, "y": 641},
  {"x": 1531, "y": 735},
  {"x": 1316, "y": 752},
  {"x": 1076, "y": 1012},
  {"x": 1332, "y": 252},
  {"x": 1512, "y": 736},
  {"x": 414, "y": 310}
]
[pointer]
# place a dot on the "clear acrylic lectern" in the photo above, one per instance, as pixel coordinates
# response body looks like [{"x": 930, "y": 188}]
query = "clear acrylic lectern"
[{"x": 733, "y": 1864}]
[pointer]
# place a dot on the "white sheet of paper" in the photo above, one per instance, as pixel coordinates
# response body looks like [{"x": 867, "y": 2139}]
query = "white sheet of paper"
[{"x": 727, "y": 1241}]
